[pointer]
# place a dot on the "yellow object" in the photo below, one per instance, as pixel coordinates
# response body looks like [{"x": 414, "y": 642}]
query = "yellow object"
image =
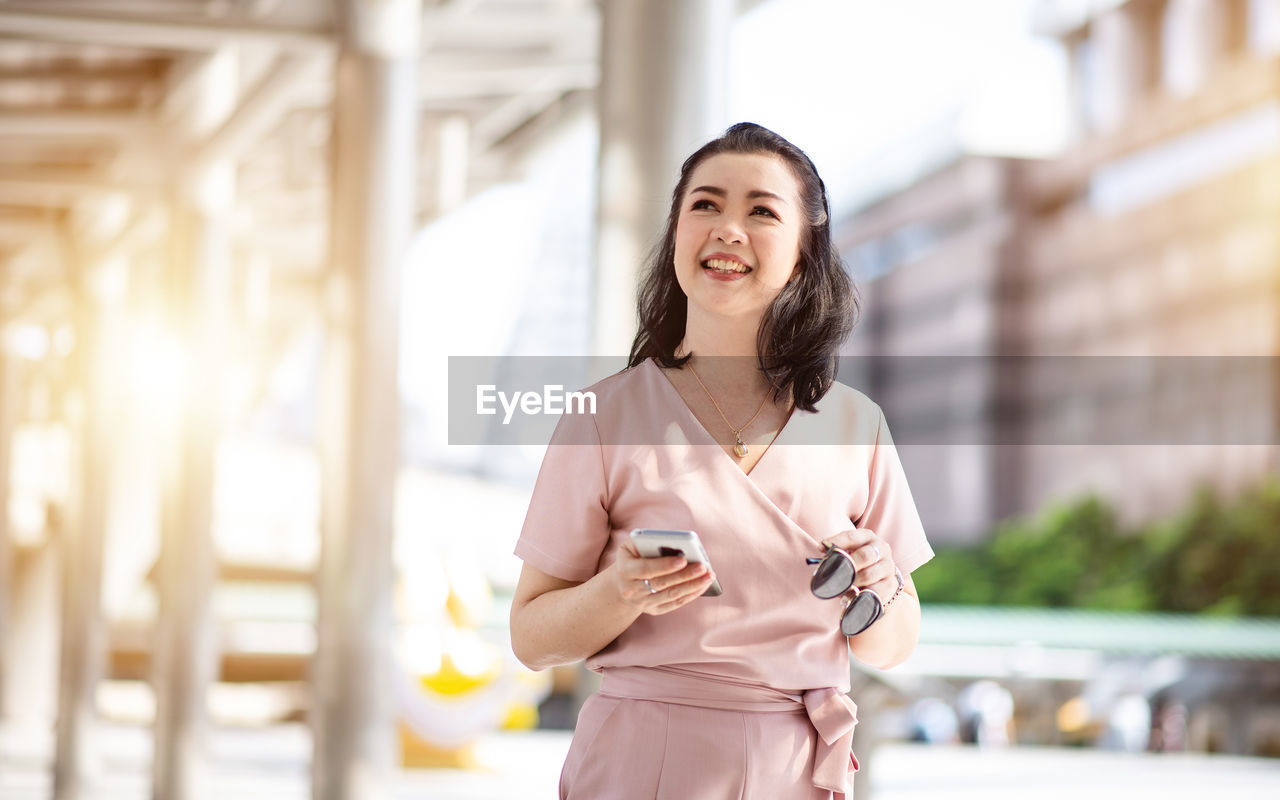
[
  {"x": 1073, "y": 716},
  {"x": 469, "y": 599},
  {"x": 461, "y": 686},
  {"x": 520, "y": 717},
  {"x": 417, "y": 752},
  {"x": 449, "y": 680}
]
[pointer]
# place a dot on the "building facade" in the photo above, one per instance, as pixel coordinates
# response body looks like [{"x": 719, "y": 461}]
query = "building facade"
[{"x": 1102, "y": 321}]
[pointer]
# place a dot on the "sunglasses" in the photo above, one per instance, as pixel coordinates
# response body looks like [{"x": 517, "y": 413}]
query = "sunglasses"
[{"x": 834, "y": 577}]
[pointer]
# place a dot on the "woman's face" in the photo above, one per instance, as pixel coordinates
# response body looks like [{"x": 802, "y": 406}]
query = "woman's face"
[{"x": 738, "y": 233}]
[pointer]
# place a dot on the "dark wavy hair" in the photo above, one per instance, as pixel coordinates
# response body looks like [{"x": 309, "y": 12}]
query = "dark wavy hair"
[{"x": 802, "y": 330}]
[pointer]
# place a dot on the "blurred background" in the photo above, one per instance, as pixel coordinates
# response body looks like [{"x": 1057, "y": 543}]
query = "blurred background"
[{"x": 240, "y": 240}]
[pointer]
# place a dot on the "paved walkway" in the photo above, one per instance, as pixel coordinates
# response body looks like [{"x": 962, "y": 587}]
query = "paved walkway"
[{"x": 272, "y": 764}]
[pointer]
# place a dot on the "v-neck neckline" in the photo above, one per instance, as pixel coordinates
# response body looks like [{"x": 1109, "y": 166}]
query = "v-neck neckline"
[{"x": 706, "y": 434}]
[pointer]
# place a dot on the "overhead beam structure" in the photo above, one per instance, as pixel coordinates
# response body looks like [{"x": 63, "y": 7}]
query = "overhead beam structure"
[
  {"x": 74, "y": 124},
  {"x": 485, "y": 29},
  {"x": 124, "y": 30},
  {"x": 262, "y": 107}
]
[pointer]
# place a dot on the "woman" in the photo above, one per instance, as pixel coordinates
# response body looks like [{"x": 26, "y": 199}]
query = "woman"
[{"x": 743, "y": 310}]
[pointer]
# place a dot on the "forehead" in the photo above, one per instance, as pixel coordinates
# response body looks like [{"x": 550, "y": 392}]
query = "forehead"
[{"x": 747, "y": 172}]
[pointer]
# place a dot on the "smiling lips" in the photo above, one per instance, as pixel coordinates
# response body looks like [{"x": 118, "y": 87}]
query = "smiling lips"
[{"x": 725, "y": 266}]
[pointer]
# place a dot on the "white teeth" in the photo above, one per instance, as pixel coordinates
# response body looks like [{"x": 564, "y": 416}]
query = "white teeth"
[{"x": 724, "y": 266}]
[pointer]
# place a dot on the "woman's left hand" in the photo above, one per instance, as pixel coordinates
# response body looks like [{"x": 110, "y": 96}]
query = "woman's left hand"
[
  {"x": 873, "y": 558},
  {"x": 892, "y": 638}
]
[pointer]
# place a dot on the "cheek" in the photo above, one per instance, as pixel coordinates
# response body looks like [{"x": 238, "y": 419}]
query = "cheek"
[
  {"x": 682, "y": 242},
  {"x": 688, "y": 245},
  {"x": 686, "y": 234},
  {"x": 784, "y": 257}
]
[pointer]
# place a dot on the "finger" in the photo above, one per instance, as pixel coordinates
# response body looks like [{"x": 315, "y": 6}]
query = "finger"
[
  {"x": 668, "y": 581},
  {"x": 683, "y": 594},
  {"x": 691, "y": 572},
  {"x": 660, "y": 567},
  {"x": 862, "y": 544},
  {"x": 680, "y": 588},
  {"x": 638, "y": 594},
  {"x": 875, "y": 575},
  {"x": 886, "y": 588},
  {"x": 851, "y": 539},
  {"x": 866, "y": 556},
  {"x": 638, "y": 569}
]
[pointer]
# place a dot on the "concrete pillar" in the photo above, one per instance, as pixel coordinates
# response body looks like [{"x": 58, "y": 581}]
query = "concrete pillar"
[
  {"x": 185, "y": 657},
  {"x": 452, "y": 154},
  {"x": 1263, "y": 27},
  {"x": 9, "y": 412},
  {"x": 375, "y": 121},
  {"x": 1079, "y": 53},
  {"x": 663, "y": 92},
  {"x": 82, "y": 654},
  {"x": 31, "y": 652},
  {"x": 1125, "y": 62},
  {"x": 1197, "y": 35},
  {"x": 872, "y": 698}
]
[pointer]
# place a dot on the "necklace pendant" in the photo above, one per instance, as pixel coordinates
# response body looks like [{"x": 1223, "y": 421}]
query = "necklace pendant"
[{"x": 740, "y": 449}]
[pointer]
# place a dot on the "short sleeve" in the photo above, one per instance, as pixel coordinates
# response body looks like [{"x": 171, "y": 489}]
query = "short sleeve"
[
  {"x": 567, "y": 525},
  {"x": 890, "y": 511}
]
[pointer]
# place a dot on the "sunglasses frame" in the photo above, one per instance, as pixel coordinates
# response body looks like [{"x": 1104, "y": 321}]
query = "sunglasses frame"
[{"x": 862, "y": 609}]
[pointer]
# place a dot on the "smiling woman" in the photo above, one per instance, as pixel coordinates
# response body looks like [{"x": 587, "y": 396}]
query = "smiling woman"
[
  {"x": 741, "y": 693},
  {"x": 733, "y": 230},
  {"x": 752, "y": 198}
]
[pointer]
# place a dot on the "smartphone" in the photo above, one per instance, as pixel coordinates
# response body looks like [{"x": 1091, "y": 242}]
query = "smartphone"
[{"x": 652, "y": 543}]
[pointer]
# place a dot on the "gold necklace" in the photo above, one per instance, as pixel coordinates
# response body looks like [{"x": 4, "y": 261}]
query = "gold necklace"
[{"x": 739, "y": 448}]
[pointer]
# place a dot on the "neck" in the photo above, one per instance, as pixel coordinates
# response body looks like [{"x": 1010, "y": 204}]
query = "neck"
[
  {"x": 724, "y": 354},
  {"x": 706, "y": 335}
]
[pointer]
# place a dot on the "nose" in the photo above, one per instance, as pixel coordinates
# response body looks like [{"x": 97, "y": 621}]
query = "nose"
[{"x": 729, "y": 230}]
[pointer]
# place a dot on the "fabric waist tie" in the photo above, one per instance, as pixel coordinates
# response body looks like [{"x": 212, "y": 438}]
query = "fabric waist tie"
[{"x": 831, "y": 711}]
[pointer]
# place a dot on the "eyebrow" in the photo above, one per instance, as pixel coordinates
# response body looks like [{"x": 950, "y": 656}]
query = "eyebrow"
[{"x": 755, "y": 193}]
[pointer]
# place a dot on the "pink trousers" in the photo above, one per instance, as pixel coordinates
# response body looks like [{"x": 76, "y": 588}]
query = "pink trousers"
[{"x": 663, "y": 733}]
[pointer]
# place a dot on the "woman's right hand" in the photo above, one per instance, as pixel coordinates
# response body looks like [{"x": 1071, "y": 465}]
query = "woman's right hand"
[{"x": 658, "y": 585}]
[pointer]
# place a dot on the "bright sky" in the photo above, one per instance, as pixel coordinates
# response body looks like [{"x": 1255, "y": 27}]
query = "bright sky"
[{"x": 847, "y": 80}]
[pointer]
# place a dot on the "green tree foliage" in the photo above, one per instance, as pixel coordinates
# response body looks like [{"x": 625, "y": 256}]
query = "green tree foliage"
[{"x": 1213, "y": 557}]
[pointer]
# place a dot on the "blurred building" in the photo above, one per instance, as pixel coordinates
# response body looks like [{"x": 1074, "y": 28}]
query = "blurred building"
[{"x": 1151, "y": 236}]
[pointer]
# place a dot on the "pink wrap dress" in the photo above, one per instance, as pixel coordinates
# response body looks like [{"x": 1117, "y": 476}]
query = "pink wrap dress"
[{"x": 741, "y": 695}]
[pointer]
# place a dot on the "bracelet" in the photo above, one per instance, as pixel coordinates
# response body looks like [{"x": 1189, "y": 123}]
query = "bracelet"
[{"x": 902, "y": 584}]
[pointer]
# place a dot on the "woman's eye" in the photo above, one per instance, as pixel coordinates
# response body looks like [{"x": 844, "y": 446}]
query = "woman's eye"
[
  {"x": 698, "y": 205},
  {"x": 763, "y": 210}
]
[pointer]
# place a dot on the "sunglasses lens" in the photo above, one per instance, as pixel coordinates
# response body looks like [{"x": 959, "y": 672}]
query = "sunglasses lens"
[
  {"x": 834, "y": 576},
  {"x": 864, "y": 610}
]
